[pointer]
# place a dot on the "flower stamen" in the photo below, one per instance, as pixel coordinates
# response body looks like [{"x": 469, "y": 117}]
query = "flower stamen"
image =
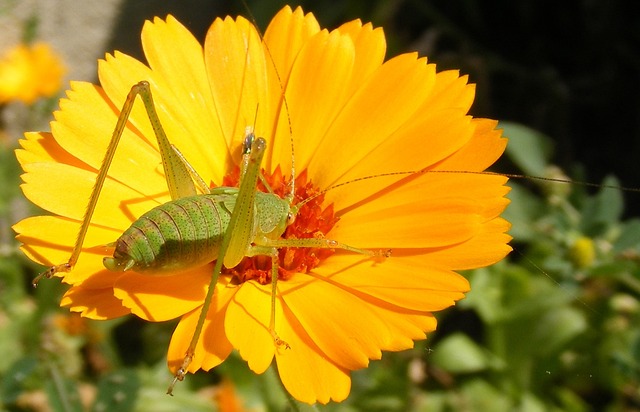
[{"x": 313, "y": 220}]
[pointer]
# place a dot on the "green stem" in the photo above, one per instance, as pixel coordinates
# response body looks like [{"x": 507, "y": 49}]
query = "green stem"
[{"x": 60, "y": 388}]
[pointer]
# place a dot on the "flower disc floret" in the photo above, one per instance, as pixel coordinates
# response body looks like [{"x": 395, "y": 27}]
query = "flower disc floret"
[{"x": 388, "y": 136}]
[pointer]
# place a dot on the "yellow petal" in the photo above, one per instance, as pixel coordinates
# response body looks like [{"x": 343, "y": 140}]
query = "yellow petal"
[
  {"x": 437, "y": 209},
  {"x": 190, "y": 134},
  {"x": 287, "y": 33},
  {"x": 313, "y": 105},
  {"x": 378, "y": 108},
  {"x": 407, "y": 282},
  {"x": 182, "y": 95},
  {"x": 237, "y": 70},
  {"x": 370, "y": 46},
  {"x": 116, "y": 74},
  {"x": 405, "y": 327},
  {"x": 49, "y": 240},
  {"x": 246, "y": 325},
  {"x": 136, "y": 162},
  {"x": 325, "y": 62},
  {"x": 160, "y": 298},
  {"x": 305, "y": 371},
  {"x": 194, "y": 132},
  {"x": 482, "y": 151},
  {"x": 180, "y": 341},
  {"x": 101, "y": 279},
  {"x": 416, "y": 145},
  {"x": 348, "y": 337},
  {"x": 450, "y": 91},
  {"x": 213, "y": 346},
  {"x": 68, "y": 195},
  {"x": 438, "y": 222},
  {"x": 487, "y": 190},
  {"x": 42, "y": 147},
  {"x": 98, "y": 304},
  {"x": 487, "y": 247}
]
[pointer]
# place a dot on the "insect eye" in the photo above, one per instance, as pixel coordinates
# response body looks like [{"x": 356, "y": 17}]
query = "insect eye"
[
  {"x": 291, "y": 217},
  {"x": 248, "y": 141}
]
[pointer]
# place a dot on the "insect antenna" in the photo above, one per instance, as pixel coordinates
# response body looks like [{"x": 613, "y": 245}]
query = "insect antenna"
[
  {"x": 283, "y": 100},
  {"x": 299, "y": 205},
  {"x": 548, "y": 179}
]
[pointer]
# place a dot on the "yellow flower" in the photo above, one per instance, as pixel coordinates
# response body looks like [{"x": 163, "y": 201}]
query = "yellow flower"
[
  {"x": 350, "y": 115},
  {"x": 582, "y": 252},
  {"x": 28, "y": 72}
]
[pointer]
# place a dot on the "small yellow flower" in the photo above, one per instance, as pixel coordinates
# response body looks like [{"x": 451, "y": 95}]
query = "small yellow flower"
[
  {"x": 583, "y": 252},
  {"x": 350, "y": 115},
  {"x": 28, "y": 72}
]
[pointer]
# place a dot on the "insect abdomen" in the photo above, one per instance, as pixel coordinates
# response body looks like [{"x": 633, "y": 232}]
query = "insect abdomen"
[{"x": 174, "y": 236}]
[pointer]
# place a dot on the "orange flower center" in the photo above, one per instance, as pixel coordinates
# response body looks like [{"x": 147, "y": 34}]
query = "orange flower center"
[{"x": 312, "y": 221}]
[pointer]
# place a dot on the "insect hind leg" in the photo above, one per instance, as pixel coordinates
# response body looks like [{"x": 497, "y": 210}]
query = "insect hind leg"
[{"x": 177, "y": 170}]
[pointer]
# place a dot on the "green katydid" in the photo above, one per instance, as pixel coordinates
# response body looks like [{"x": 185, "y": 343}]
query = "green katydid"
[{"x": 224, "y": 224}]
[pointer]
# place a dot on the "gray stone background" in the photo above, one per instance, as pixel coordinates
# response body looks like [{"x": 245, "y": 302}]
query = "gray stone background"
[
  {"x": 82, "y": 31},
  {"x": 79, "y": 30}
]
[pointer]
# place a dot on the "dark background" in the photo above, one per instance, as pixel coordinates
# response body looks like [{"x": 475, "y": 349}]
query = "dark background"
[{"x": 569, "y": 69}]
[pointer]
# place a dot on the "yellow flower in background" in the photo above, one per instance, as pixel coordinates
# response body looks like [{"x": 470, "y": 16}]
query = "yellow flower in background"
[
  {"x": 351, "y": 115},
  {"x": 583, "y": 252},
  {"x": 28, "y": 72}
]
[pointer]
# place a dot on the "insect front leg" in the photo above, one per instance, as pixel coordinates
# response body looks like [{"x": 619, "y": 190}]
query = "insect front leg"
[
  {"x": 191, "y": 350},
  {"x": 235, "y": 242},
  {"x": 327, "y": 244},
  {"x": 269, "y": 247},
  {"x": 272, "y": 252}
]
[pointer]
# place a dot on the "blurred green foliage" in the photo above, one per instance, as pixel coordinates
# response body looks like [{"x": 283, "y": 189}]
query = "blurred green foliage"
[{"x": 551, "y": 328}]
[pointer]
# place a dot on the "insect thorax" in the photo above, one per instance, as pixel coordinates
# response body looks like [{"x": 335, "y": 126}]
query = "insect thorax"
[{"x": 272, "y": 213}]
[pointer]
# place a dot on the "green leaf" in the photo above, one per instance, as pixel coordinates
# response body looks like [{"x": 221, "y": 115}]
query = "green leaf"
[
  {"x": 479, "y": 395},
  {"x": 457, "y": 353},
  {"x": 530, "y": 403},
  {"x": 522, "y": 212},
  {"x": 9, "y": 178},
  {"x": 629, "y": 238},
  {"x": 570, "y": 401},
  {"x": 603, "y": 209},
  {"x": 16, "y": 378},
  {"x": 557, "y": 328},
  {"x": 529, "y": 149},
  {"x": 152, "y": 395},
  {"x": 486, "y": 294},
  {"x": 62, "y": 393},
  {"x": 117, "y": 392}
]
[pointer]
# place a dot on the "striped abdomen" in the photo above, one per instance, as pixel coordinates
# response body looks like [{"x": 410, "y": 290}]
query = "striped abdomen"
[{"x": 175, "y": 236}]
